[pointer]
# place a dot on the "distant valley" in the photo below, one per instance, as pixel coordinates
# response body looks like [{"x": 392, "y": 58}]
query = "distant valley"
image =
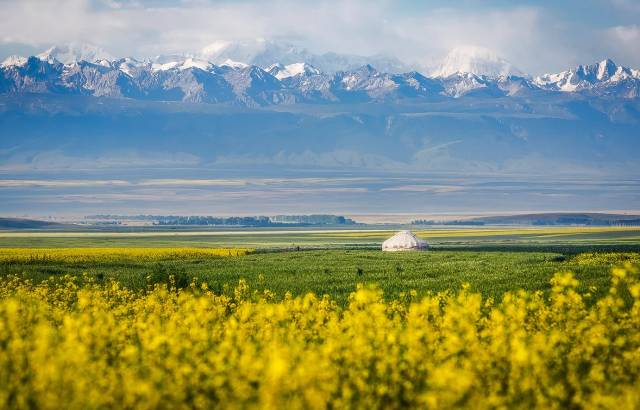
[{"x": 368, "y": 137}]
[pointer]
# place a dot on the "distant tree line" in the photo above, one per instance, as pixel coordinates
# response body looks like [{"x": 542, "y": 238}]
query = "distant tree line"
[
  {"x": 457, "y": 222},
  {"x": 211, "y": 220},
  {"x": 251, "y": 221},
  {"x": 527, "y": 220},
  {"x": 589, "y": 222},
  {"x": 312, "y": 219}
]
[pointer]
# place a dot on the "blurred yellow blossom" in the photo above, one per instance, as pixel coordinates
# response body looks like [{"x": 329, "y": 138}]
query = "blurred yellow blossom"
[{"x": 77, "y": 344}]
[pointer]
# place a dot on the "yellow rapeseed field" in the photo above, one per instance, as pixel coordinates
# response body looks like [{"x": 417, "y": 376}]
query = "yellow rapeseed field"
[
  {"x": 68, "y": 346},
  {"x": 83, "y": 255},
  {"x": 607, "y": 258}
]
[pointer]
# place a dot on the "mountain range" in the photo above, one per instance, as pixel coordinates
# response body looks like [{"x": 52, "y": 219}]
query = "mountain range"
[
  {"x": 486, "y": 131},
  {"x": 464, "y": 71},
  {"x": 259, "y": 51}
]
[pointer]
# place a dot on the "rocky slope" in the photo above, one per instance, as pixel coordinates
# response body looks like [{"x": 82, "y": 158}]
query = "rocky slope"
[{"x": 200, "y": 81}]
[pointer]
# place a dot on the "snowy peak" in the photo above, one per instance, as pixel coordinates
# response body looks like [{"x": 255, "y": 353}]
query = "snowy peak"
[
  {"x": 605, "y": 74},
  {"x": 130, "y": 66},
  {"x": 475, "y": 60},
  {"x": 233, "y": 64},
  {"x": 460, "y": 83},
  {"x": 74, "y": 52},
  {"x": 196, "y": 80},
  {"x": 606, "y": 69},
  {"x": 361, "y": 78},
  {"x": 184, "y": 63},
  {"x": 291, "y": 70},
  {"x": 14, "y": 61},
  {"x": 196, "y": 63},
  {"x": 169, "y": 65}
]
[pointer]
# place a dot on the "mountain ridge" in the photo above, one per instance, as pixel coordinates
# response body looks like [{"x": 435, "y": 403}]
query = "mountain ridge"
[{"x": 196, "y": 80}]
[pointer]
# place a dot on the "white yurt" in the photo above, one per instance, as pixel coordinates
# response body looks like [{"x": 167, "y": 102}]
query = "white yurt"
[{"x": 404, "y": 241}]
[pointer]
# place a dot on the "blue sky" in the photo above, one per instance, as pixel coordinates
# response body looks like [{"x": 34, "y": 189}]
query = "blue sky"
[{"x": 537, "y": 36}]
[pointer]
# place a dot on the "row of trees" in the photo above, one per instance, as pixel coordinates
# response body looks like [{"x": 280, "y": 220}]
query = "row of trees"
[{"x": 254, "y": 221}]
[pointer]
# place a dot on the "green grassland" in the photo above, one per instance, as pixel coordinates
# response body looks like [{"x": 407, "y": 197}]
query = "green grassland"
[
  {"x": 491, "y": 260},
  {"x": 337, "y": 272},
  {"x": 481, "y": 238}
]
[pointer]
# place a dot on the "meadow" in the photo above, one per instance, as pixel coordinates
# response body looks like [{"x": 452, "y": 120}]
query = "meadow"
[
  {"x": 491, "y": 260},
  {"x": 333, "y": 272},
  {"x": 488, "y": 318},
  {"x": 485, "y": 238}
]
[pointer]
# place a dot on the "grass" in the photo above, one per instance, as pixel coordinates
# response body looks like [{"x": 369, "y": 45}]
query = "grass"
[
  {"x": 492, "y": 260},
  {"x": 548, "y": 237},
  {"x": 337, "y": 272},
  {"x": 65, "y": 346}
]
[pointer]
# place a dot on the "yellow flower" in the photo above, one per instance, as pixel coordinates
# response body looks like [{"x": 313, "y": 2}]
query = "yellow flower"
[{"x": 65, "y": 345}]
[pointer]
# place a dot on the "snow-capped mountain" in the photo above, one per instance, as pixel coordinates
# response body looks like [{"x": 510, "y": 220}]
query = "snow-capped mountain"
[
  {"x": 74, "y": 52},
  {"x": 193, "y": 79},
  {"x": 234, "y": 64},
  {"x": 475, "y": 60},
  {"x": 280, "y": 71},
  {"x": 604, "y": 77},
  {"x": 265, "y": 53},
  {"x": 13, "y": 61},
  {"x": 297, "y": 115}
]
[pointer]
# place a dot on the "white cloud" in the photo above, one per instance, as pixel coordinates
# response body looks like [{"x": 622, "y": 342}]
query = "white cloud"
[
  {"x": 536, "y": 39},
  {"x": 627, "y": 34},
  {"x": 624, "y": 42}
]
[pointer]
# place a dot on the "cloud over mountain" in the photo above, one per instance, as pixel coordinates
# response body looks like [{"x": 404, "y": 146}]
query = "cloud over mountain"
[
  {"x": 88, "y": 70},
  {"x": 535, "y": 36},
  {"x": 475, "y": 60}
]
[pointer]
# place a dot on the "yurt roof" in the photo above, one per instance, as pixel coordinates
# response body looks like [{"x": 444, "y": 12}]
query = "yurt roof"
[{"x": 404, "y": 240}]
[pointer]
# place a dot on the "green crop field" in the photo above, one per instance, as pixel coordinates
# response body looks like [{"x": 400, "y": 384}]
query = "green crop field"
[
  {"x": 337, "y": 272},
  {"x": 529, "y": 317},
  {"x": 481, "y": 237},
  {"x": 491, "y": 260}
]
